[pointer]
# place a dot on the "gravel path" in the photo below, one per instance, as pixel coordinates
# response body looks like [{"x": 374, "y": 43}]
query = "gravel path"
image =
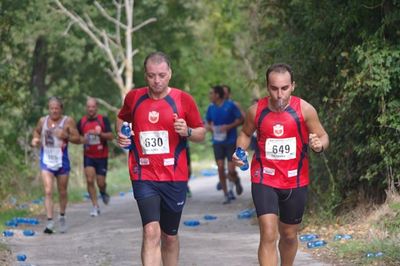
[{"x": 114, "y": 238}]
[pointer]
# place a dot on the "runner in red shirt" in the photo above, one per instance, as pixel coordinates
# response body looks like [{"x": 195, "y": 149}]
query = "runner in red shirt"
[
  {"x": 286, "y": 126},
  {"x": 163, "y": 120},
  {"x": 95, "y": 131}
]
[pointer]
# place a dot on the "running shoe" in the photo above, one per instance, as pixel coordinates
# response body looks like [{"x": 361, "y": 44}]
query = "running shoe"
[
  {"x": 63, "y": 224},
  {"x": 239, "y": 188},
  {"x": 95, "y": 212},
  {"x": 227, "y": 200},
  {"x": 219, "y": 186},
  {"x": 105, "y": 197},
  {"x": 49, "y": 227},
  {"x": 231, "y": 196}
]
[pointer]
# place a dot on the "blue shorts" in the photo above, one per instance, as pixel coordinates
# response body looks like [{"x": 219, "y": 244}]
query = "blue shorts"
[
  {"x": 64, "y": 170},
  {"x": 99, "y": 164},
  {"x": 162, "y": 202}
]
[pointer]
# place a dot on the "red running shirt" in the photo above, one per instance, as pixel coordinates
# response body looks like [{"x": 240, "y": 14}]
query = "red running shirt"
[
  {"x": 159, "y": 153},
  {"x": 96, "y": 147},
  {"x": 281, "y": 156}
]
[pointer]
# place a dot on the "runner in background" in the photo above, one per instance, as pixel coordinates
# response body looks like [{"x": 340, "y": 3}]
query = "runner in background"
[{"x": 95, "y": 131}]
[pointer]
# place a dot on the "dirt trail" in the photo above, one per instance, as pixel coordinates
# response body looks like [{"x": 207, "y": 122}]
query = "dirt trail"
[{"x": 114, "y": 238}]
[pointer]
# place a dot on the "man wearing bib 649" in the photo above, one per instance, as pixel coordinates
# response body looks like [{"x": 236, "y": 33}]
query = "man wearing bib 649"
[
  {"x": 286, "y": 126},
  {"x": 163, "y": 120}
]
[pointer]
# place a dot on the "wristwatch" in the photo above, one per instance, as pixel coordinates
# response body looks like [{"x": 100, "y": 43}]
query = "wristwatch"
[{"x": 189, "y": 132}]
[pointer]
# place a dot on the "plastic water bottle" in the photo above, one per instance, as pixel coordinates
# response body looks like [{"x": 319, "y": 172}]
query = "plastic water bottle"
[
  {"x": 316, "y": 243},
  {"x": 126, "y": 130},
  {"x": 191, "y": 223},
  {"x": 342, "y": 236},
  {"x": 241, "y": 154},
  {"x": 210, "y": 217},
  {"x": 8, "y": 233},
  {"x": 21, "y": 257},
  {"x": 12, "y": 223},
  {"x": 28, "y": 232},
  {"x": 246, "y": 214},
  {"x": 374, "y": 254},
  {"x": 308, "y": 237}
]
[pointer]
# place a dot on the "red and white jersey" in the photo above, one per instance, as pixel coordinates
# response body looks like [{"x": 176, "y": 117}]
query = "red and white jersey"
[
  {"x": 281, "y": 156},
  {"x": 159, "y": 153}
]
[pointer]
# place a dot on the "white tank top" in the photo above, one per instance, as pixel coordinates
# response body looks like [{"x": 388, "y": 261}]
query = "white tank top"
[{"x": 52, "y": 145}]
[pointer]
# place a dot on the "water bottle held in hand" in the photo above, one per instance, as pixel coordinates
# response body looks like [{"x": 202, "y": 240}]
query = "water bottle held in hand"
[
  {"x": 126, "y": 130},
  {"x": 241, "y": 154}
]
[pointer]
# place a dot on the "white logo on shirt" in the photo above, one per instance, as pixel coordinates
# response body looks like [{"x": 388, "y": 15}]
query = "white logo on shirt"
[
  {"x": 278, "y": 130},
  {"x": 154, "y": 116}
]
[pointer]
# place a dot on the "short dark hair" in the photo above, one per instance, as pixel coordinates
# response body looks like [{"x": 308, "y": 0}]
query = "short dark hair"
[
  {"x": 218, "y": 89},
  {"x": 227, "y": 87},
  {"x": 56, "y": 99},
  {"x": 157, "y": 57},
  {"x": 280, "y": 68}
]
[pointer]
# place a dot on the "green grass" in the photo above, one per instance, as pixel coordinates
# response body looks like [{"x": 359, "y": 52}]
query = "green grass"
[{"x": 355, "y": 251}]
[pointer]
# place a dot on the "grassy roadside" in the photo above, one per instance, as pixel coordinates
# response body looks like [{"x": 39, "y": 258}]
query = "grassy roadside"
[{"x": 373, "y": 229}]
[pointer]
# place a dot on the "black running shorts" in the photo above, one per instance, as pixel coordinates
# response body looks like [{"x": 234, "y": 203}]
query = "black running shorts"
[
  {"x": 222, "y": 151},
  {"x": 162, "y": 202},
  {"x": 288, "y": 204}
]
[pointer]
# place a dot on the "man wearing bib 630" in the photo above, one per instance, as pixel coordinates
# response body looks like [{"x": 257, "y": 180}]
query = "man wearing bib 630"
[
  {"x": 163, "y": 120},
  {"x": 286, "y": 126}
]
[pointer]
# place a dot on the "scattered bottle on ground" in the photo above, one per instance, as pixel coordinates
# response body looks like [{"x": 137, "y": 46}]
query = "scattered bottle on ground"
[
  {"x": 8, "y": 233},
  {"x": 191, "y": 223},
  {"x": 246, "y": 214},
  {"x": 126, "y": 130},
  {"x": 316, "y": 243},
  {"x": 241, "y": 154},
  {"x": 342, "y": 236},
  {"x": 308, "y": 237},
  {"x": 21, "y": 257},
  {"x": 12, "y": 223},
  {"x": 28, "y": 232},
  {"x": 210, "y": 217},
  {"x": 374, "y": 254}
]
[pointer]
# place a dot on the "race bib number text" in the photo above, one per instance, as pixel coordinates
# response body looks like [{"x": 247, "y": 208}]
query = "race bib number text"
[{"x": 280, "y": 149}]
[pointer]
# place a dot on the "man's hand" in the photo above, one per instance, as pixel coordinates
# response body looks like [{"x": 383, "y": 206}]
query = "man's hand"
[
  {"x": 123, "y": 141},
  {"x": 35, "y": 142},
  {"x": 315, "y": 143},
  {"x": 181, "y": 127}
]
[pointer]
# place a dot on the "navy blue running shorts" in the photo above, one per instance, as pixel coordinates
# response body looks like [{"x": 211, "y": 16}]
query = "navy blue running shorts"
[
  {"x": 289, "y": 204},
  {"x": 222, "y": 151},
  {"x": 99, "y": 164},
  {"x": 162, "y": 202}
]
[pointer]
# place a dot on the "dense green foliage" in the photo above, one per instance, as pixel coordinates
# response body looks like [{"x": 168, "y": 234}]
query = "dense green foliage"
[
  {"x": 345, "y": 54},
  {"x": 346, "y": 59}
]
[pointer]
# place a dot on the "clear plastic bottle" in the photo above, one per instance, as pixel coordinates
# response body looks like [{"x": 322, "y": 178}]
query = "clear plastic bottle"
[
  {"x": 241, "y": 154},
  {"x": 342, "y": 236},
  {"x": 126, "y": 130},
  {"x": 374, "y": 254},
  {"x": 308, "y": 237},
  {"x": 316, "y": 243}
]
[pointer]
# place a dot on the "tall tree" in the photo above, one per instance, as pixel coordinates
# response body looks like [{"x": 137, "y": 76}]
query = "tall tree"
[{"x": 118, "y": 49}]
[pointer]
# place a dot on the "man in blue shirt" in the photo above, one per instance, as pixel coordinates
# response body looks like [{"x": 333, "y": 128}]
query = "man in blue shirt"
[{"x": 223, "y": 117}]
